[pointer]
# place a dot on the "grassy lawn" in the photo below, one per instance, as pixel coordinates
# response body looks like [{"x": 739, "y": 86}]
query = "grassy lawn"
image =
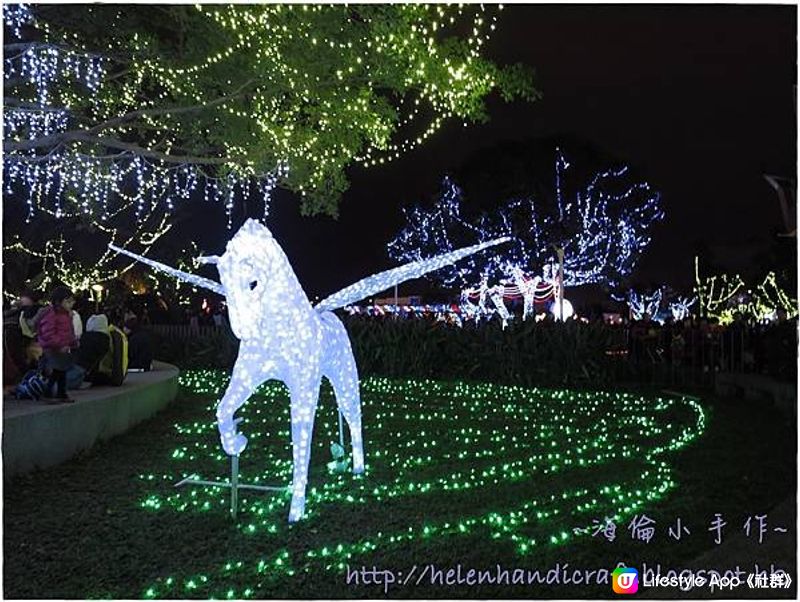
[{"x": 474, "y": 475}]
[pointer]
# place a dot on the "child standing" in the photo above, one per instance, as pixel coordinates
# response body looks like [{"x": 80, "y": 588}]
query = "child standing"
[{"x": 57, "y": 338}]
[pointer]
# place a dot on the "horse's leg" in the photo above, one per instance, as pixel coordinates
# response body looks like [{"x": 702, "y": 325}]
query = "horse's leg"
[
  {"x": 304, "y": 394},
  {"x": 239, "y": 389},
  {"x": 339, "y": 366},
  {"x": 348, "y": 399}
]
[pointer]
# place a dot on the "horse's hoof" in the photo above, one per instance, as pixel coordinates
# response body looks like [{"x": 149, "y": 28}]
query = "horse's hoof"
[{"x": 233, "y": 443}]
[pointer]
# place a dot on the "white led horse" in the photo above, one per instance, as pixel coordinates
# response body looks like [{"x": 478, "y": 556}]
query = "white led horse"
[
  {"x": 526, "y": 287},
  {"x": 484, "y": 292},
  {"x": 283, "y": 337}
]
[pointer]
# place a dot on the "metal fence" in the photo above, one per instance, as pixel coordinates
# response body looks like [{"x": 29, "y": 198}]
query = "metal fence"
[
  {"x": 645, "y": 354},
  {"x": 693, "y": 356},
  {"x": 183, "y": 332}
]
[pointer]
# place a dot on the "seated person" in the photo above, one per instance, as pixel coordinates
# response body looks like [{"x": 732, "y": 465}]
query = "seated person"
[
  {"x": 140, "y": 346},
  {"x": 19, "y": 339},
  {"x": 14, "y": 360},
  {"x": 95, "y": 344},
  {"x": 113, "y": 367}
]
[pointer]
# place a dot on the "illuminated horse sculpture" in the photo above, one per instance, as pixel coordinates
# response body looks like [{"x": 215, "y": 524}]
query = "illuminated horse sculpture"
[
  {"x": 483, "y": 292},
  {"x": 525, "y": 287},
  {"x": 283, "y": 337}
]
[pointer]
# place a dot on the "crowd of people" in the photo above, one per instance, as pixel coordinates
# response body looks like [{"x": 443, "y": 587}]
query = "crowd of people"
[
  {"x": 692, "y": 344},
  {"x": 160, "y": 310},
  {"x": 68, "y": 343}
]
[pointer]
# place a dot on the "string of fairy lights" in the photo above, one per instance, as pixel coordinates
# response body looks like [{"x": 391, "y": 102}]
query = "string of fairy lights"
[
  {"x": 434, "y": 81},
  {"x": 16, "y": 16},
  {"x": 425, "y": 441},
  {"x": 49, "y": 69},
  {"x": 66, "y": 183},
  {"x": 724, "y": 297},
  {"x": 719, "y": 297},
  {"x": 98, "y": 179},
  {"x": 86, "y": 105},
  {"x": 441, "y": 312}
]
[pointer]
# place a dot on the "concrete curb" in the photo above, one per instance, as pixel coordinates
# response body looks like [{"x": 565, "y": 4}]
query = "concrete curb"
[{"x": 37, "y": 435}]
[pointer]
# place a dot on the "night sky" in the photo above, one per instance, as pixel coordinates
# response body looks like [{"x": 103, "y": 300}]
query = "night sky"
[{"x": 701, "y": 99}]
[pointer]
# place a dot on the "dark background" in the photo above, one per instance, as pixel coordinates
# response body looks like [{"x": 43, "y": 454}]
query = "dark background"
[{"x": 700, "y": 100}]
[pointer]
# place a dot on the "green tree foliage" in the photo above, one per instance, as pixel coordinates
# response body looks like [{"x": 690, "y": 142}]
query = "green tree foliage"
[{"x": 241, "y": 89}]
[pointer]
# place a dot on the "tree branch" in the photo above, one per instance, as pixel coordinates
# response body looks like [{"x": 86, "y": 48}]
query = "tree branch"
[
  {"x": 18, "y": 46},
  {"x": 82, "y": 136},
  {"x": 26, "y": 45},
  {"x": 10, "y": 101},
  {"x": 167, "y": 111}
]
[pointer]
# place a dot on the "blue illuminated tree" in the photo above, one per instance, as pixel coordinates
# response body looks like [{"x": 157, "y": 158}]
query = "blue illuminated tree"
[{"x": 603, "y": 230}]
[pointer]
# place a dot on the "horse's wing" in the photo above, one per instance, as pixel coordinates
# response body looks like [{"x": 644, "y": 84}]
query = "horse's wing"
[
  {"x": 384, "y": 280},
  {"x": 175, "y": 273}
]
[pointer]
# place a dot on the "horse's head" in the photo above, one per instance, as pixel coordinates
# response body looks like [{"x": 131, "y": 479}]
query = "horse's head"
[{"x": 257, "y": 276}]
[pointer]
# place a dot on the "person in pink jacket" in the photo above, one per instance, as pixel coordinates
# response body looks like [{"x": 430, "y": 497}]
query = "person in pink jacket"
[{"x": 57, "y": 338}]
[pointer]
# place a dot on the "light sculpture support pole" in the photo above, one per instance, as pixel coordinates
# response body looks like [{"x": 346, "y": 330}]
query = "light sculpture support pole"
[
  {"x": 774, "y": 181},
  {"x": 234, "y": 485},
  {"x": 560, "y": 300}
]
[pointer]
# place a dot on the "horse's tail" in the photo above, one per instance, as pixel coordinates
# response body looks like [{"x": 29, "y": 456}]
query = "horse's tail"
[{"x": 384, "y": 280}]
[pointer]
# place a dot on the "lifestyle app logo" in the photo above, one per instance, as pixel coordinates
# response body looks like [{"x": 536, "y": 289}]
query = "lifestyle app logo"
[{"x": 625, "y": 580}]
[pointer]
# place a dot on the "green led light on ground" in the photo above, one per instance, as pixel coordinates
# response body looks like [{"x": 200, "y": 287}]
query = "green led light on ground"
[{"x": 585, "y": 455}]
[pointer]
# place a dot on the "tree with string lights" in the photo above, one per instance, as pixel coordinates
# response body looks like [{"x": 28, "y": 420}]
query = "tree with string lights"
[
  {"x": 132, "y": 110},
  {"x": 603, "y": 229},
  {"x": 726, "y": 296}
]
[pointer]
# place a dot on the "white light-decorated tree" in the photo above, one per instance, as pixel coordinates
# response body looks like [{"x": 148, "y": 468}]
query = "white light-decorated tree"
[
  {"x": 602, "y": 229},
  {"x": 117, "y": 114},
  {"x": 681, "y": 307},
  {"x": 644, "y": 305}
]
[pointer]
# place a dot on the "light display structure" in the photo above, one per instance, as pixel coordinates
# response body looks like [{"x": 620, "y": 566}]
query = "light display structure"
[
  {"x": 474, "y": 301},
  {"x": 723, "y": 297},
  {"x": 680, "y": 308},
  {"x": 284, "y": 337},
  {"x": 609, "y": 221},
  {"x": 645, "y": 305},
  {"x": 547, "y": 443},
  {"x": 110, "y": 128}
]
